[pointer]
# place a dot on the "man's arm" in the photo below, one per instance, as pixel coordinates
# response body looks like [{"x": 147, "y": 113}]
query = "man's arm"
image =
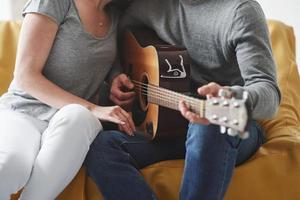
[
  {"x": 121, "y": 92},
  {"x": 249, "y": 37}
]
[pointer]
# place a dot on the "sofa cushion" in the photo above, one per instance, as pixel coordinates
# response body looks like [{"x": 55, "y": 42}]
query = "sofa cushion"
[
  {"x": 9, "y": 34},
  {"x": 287, "y": 120}
]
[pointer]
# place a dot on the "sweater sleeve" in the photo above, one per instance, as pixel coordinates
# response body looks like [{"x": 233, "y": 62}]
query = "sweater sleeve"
[
  {"x": 127, "y": 19},
  {"x": 249, "y": 37}
]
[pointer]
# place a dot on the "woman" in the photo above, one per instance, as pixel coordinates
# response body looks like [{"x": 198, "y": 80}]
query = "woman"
[{"x": 49, "y": 116}]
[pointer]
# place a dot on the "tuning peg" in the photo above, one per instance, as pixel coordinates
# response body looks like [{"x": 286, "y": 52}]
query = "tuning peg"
[
  {"x": 232, "y": 132},
  {"x": 235, "y": 122},
  {"x": 225, "y": 103},
  {"x": 244, "y": 135},
  {"x": 222, "y": 129},
  {"x": 236, "y": 104},
  {"x": 224, "y": 93},
  {"x": 214, "y": 117},
  {"x": 245, "y": 95},
  {"x": 208, "y": 96},
  {"x": 215, "y": 102},
  {"x": 224, "y": 119}
]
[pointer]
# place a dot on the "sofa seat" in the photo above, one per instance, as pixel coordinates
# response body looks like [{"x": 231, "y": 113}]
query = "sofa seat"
[{"x": 273, "y": 173}]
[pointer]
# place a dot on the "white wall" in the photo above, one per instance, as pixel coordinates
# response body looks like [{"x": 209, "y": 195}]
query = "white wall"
[
  {"x": 287, "y": 11},
  {"x": 11, "y": 9},
  {"x": 5, "y": 10}
]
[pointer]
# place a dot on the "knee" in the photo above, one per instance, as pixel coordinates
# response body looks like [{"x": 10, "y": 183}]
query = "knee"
[
  {"x": 207, "y": 135},
  {"x": 75, "y": 113},
  {"x": 80, "y": 122},
  {"x": 15, "y": 171},
  {"x": 109, "y": 139},
  {"x": 107, "y": 147},
  {"x": 200, "y": 133}
]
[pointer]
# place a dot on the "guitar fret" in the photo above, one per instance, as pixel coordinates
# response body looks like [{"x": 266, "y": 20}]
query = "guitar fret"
[{"x": 170, "y": 99}]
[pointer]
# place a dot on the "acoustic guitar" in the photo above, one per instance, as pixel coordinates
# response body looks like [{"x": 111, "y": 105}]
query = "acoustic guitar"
[{"x": 161, "y": 75}]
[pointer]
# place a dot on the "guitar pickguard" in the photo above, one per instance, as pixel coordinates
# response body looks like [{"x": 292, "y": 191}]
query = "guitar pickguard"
[{"x": 175, "y": 70}]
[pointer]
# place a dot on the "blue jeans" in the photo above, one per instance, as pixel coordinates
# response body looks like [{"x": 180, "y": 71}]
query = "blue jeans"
[{"x": 114, "y": 161}]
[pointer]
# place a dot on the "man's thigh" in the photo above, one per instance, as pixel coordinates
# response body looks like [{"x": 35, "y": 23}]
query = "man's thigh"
[
  {"x": 142, "y": 150},
  {"x": 250, "y": 145}
]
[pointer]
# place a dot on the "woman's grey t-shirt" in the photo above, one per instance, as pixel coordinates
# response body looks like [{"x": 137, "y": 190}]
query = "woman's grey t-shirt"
[{"x": 78, "y": 61}]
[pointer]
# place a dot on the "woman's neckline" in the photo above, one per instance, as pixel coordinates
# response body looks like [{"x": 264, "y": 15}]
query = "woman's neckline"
[{"x": 109, "y": 31}]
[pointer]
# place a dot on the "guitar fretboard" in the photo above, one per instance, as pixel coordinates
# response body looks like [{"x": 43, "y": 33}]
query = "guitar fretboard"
[{"x": 168, "y": 98}]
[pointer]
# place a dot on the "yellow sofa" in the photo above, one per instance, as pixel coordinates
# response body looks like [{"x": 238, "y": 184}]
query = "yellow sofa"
[{"x": 273, "y": 173}]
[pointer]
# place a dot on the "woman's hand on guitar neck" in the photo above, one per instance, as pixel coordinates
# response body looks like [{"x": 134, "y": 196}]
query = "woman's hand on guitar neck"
[
  {"x": 121, "y": 92},
  {"x": 209, "y": 90}
]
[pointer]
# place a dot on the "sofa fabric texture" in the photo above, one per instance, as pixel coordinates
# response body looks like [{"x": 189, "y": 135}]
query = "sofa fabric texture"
[{"x": 272, "y": 173}]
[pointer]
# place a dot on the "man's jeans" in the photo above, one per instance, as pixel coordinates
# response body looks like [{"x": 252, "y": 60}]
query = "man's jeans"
[{"x": 114, "y": 161}]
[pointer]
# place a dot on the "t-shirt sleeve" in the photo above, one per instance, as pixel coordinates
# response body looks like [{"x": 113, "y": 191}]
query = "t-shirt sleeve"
[
  {"x": 125, "y": 19},
  {"x": 54, "y": 9}
]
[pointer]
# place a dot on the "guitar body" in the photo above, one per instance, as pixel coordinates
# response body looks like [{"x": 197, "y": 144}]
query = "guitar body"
[{"x": 149, "y": 60}]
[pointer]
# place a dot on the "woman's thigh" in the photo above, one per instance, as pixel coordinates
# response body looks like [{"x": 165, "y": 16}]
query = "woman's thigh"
[
  {"x": 19, "y": 145},
  {"x": 19, "y": 133}
]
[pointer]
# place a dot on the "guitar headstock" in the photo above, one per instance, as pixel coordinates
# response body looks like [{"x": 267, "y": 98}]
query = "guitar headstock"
[{"x": 230, "y": 113}]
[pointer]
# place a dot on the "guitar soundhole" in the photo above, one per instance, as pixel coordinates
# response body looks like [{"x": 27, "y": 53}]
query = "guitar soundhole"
[{"x": 144, "y": 93}]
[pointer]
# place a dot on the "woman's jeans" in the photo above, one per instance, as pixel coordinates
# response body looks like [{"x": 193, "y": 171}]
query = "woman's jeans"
[
  {"x": 41, "y": 157},
  {"x": 114, "y": 161}
]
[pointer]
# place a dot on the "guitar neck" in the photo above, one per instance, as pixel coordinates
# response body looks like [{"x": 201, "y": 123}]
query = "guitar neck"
[{"x": 170, "y": 99}]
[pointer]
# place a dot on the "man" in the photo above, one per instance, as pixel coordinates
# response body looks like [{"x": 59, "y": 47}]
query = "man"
[{"x": 228, "y": 44}]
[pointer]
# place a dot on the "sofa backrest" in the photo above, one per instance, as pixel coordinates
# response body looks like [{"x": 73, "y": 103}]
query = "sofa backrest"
[
  {"x": 288, "y": 116},
  {"x": 9, "y": 34}
]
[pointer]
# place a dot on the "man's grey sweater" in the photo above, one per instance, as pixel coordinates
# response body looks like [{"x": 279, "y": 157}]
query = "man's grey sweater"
[{"x": 227, "y": 41}]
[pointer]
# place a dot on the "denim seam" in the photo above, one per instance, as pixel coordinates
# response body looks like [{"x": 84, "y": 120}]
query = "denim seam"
[
  {"x": 130, "y": 159},
  {"x": 224, "y": 175}
]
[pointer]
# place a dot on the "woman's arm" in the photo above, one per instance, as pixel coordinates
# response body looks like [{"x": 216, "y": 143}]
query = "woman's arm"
[{"x": 36, "y": 40}]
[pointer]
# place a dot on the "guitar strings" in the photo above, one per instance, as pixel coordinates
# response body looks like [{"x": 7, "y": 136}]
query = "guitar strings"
[
  {"x": 154, "y": 91},
  {"x": 160, "y": 91},
  {"x": 166, "y": 95},
  {"x": 198, "y": 108},
  {"x": 162, "y": 97}
]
